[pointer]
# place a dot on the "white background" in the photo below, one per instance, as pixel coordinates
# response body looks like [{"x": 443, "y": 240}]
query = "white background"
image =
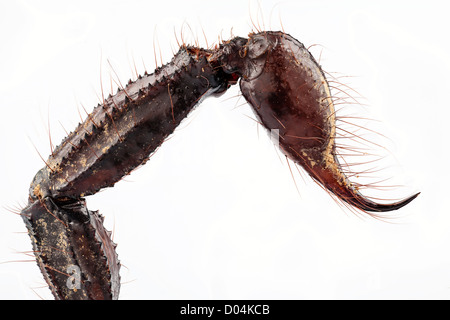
[{"x": 215, "y": 214}]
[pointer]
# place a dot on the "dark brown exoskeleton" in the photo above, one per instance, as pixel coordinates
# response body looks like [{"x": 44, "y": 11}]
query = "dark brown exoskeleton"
[
  {"x": 278, "y": 77},
  {"x": 289, "y": 93},
  {"x": 117, "y": 136}
]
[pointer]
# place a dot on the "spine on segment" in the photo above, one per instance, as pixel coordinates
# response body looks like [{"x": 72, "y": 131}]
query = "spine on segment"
[
  {"x": 73, "y": 250},
  {"x": 120, "y": 134}
]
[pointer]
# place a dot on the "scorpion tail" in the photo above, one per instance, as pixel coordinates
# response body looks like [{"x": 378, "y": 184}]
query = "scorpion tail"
[{"x": 73, "y": 250}]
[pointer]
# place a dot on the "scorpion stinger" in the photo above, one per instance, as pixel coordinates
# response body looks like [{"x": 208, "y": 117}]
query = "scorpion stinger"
[{"x": 289, "y": 92}]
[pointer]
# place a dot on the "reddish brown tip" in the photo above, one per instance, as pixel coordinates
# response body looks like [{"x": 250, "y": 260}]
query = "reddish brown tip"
[
  {"x": 332, "y": 178},
  {"x": 364, "y": 204}
]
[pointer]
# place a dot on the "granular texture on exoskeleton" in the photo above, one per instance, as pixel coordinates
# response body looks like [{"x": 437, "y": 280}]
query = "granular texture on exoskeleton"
[{"x": 118, "y": 136}]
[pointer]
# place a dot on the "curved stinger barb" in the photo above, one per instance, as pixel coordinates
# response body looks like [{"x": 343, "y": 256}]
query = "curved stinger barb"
[
  {"x": 278, "y": 77},
  {"x": 289, "y": 92}
]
